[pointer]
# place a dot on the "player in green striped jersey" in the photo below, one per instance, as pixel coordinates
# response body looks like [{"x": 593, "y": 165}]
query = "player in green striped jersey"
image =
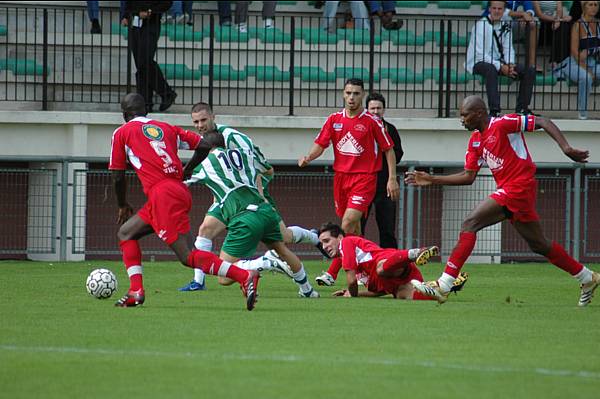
[
  {"x": 232, "y": 176},
  {"x": 213, "y": 223}
]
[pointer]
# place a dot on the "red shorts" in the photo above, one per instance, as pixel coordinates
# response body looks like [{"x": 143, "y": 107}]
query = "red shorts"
[
  {"x": 167, "y": 210},
  {"x": 353, "y": 190},
  {"x": 519, "y": 200},
  {"x": 391, "y": 285}
]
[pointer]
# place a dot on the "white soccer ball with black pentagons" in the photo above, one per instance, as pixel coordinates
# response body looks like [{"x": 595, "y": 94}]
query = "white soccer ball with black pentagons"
[{"x": 101, "y": 283}]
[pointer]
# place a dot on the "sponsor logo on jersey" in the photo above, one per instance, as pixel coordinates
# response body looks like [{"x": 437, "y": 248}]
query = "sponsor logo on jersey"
[
  {"x": 349, "y": 146},
  {"x": 360, "y": 127},
  {"x": 153, "y": 132},
  {"x": 491, "y": 140},
  {"x": 493, "y": 162},
  {"x": 338, "y": 126},
  {"x": 476, "y": 144}
]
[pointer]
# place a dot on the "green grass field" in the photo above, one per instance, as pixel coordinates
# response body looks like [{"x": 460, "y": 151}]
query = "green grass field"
[{"x": 514, "y": 332}]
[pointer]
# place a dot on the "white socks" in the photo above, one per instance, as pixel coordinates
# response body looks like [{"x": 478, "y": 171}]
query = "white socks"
[
  {"x": 203, "y": 244},
  {"x": 303, "y": 236},
  {"x": 259, "y": 264},
  {"x": 302, "y": 281},
  {"x": 445, "y": 282},
  {"x": 584, "y": 276}
]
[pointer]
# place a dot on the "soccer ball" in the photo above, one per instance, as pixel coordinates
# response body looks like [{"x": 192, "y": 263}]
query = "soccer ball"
[{"x": 101, "y": 283}]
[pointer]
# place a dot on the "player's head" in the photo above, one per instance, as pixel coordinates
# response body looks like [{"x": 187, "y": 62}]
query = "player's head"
[
  {"x": 376, "y": 104},
  {"x": 132, "y": 105},
  {"x": 330, "y": 235},
  {"x": 213, "y": 139},
  {"x": 203, "y": 117},
  {"x": 473, "y": 112},
  {"x": 354, "y": 92},
  {"x": 496, "y": 9}
]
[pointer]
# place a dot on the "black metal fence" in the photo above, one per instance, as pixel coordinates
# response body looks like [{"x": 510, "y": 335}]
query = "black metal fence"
[{"x": 49, "y": 56}]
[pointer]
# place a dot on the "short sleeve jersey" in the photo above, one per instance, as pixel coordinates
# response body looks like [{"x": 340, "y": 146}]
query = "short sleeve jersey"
[
  {"x": 360, "y": 255},
  {"x": 502, "y": 147},
  {"x": 151, "y": 148},
  {"x": 358, "y": 142}
]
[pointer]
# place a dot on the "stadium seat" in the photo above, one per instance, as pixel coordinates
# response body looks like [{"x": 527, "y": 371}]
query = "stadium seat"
[
  {"x": 227, "y": 34},
  {"x": 412, "y": 4},
  {"x": 455, "y": 38},
  {"x": 455, "y": 5},
  {"x": 267, "y": 73},
  {"x": 3, "y": 30},
  {"x": 401, "y": 75},
  {"x": 545, "y": 80},
  {"x": 354, "y": 72},
  {"x": 455, "y": 76},
  {"x": 357, "y": 36},
  {"x": 273, "y": 35},
  {"x": 223, "y": 72},
  {"x": 177, "y": 32},
  {"x": 314, "y": 74},
  {"x": 404, "y": 38},
  {"x": 316, "y": 36},
  {"x": 20, "y": 66},
  {"x": 180, "y": 71}
]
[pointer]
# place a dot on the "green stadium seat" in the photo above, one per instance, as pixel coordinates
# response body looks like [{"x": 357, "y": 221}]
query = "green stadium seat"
[
  {"x": 455, "y": 38},
  {"x": 286, "y": 3},
  {"x": 223, "y": 72},
  {"x": 3, "y": 30},
  {"x": 117, "y": 29},
  {"x": 455, "y": 76},
  {"x": 227, "y": 34},
  {"x": 177, "y": 32},
  {"x": 405, "y": 38},
  {"x": 401, "y": 75},
  {"x": 267, "y": 73},
  {"x": 455, "y": 5},
  {"x": 180, "y": 71},
  {"x": 545, "y": 80},
  {"x": 274, "y": 35},
  {"x": 357, "y": 36},
  {"x": 314, "y": 74},
  {"x": 20, "y": 66},
  {"x": 412, "y": 4},
  {"x": 355, "y": 72},
  {"x": 316, "y": 36}
]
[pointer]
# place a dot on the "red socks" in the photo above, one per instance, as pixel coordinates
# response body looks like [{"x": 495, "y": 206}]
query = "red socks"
[
  {"x": 132, "y": 258},
  {"x": 212, "y": 264},
  {"x": 559, "y": 257},
  {"x": 460, "y": 253}
]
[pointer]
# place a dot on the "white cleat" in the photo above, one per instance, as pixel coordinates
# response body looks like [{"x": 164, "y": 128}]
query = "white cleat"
[
  {"x": 422, "y": 255},
  {"x": 311, "y": 294},
  {"x": 587, "y": 290},
  {"x": 431, "y": 289},
  {"x": 325, "y": 279},
  {"x": 277, "y": 264}
]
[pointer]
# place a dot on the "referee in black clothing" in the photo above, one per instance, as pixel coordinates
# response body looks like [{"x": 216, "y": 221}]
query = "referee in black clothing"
[{"x": 385, "y": 208}]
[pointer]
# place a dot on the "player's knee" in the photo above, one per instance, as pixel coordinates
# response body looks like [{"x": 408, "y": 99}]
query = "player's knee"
[
  {"x": 540, "y": 247},
  {"x": 470, "y": 224},
  {"x": 123, "y": 234}
]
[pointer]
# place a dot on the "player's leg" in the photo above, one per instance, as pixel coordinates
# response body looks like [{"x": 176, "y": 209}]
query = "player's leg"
[
  {"x": 556, "y": 254},
  {"x": 298, "y": 273}
]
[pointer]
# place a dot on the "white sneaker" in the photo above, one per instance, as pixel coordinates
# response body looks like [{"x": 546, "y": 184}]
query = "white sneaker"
[
  {"x": 587, "y": 290},
  {"x": 311, "y": 294},
  {"x": 268, "y": 23},
  {"x": 431, "y": 289},
  {"x": 243, "y": 27},
  {"x": 325, "y": 279},
  {"x": 277, "y": 264}
]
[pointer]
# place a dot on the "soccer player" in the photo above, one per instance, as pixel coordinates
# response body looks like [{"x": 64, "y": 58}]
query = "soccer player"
[
  {"x": 389, "y": 271},
  {"x": 151, "y": 148},
  {"x": 214, "y": 224},
  {"x": 232, "y": 177},
  {"x": 359, "y": 139},
  {"x": 500, "y": 143}
]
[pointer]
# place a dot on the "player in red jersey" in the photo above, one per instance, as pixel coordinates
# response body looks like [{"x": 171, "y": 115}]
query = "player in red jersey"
[
  {"x": 500, "y": 143},
  {"x": 389, "y": 271},
  {"x": 358, "y": 139},
  {"x": 151, "y": 148}
]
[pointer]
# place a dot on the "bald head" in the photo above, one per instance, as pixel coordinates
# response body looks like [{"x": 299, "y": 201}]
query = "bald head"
[
  {"x": 474, "y": 104},
  {"x": 132, "y": 105}
]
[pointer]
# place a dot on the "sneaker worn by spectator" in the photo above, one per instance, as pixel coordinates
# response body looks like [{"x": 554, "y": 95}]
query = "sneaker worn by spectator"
[
  {"x": 167, "y": 101},
  {"x": 96, "y": 28}
]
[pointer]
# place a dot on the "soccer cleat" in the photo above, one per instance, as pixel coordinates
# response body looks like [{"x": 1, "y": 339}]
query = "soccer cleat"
[
  {"x": 193, "y": 286},
  {"x": 310, "y": 294},
  {"x": 131, "y": 299},
  {"x": 587, "y": 290},
  {"x": 320, "y": 246},
  {"x": 459, "y": 282},
  {"x": 425, "y": 253},
  {"x": 250, "y": 288},
  {"x": 277, "y": 264},
  {"x": 325, "y": 279},
  {"x": 431, "y": 289}
]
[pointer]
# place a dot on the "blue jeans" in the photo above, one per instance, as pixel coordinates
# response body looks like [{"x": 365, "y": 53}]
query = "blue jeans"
[
  {"x": 359, "y": 13},
  {"x": 179, "y": 7},
  {"x": 569, "y": 68},
  {"x": 93, "y": 10},
  {"x": 384, "y": 6}
]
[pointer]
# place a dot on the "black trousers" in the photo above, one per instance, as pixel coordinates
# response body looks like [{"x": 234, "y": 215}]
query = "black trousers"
[
  {"x": 385, "y": 215},
  {"x": 490, "y": 75},
  {"x": 148, "y": 77}
]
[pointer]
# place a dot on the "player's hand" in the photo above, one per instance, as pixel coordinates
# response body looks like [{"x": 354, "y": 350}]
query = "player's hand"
[
  {"x": 344, "y": 293},
  {"x": 577, "y": 155},
  {"x": 393, "y": 189},
  {"x": 302, "y": 162},
  {"x": 125, "y": 212},
  {"x": 417, "y": 178}
]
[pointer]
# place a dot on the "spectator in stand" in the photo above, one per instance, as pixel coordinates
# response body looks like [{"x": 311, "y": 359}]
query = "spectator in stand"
[
  {"x": 385, "y": 10},
  {"x": 94, "y": 16},
  {"x": 575, "y": 11},
  {"x": 583, "y": 67},
  {"x": 180, "y": 12},
  {"x": 554, "y": 30},
  {"x": 241, "y": 14},
  {"x": 359, "y": 13},
  {"x": 143, "y": 18},
  {"x": 491, "y": 53}
]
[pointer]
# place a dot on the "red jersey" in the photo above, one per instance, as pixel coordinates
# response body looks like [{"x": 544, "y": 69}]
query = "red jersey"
[
  {"x": 357, "y": 142},
  {"x": 151, "y": 147},
  {"x": 502, "y": 147},
  {"x": 361, "y": 255}
]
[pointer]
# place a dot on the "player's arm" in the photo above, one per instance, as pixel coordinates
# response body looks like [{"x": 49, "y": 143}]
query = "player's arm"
[
  {"x": 393, "y": 189},
  {"x": 315, "y": 152},
  {"x": 554, "y": 132},
  {"x": 200, "y": 153},
  {"x": 419, "y": 178},
  {"x": 352, "y": 282},
  {"x": 368, "y": 294},
  {"x": 120, "y": 186}
]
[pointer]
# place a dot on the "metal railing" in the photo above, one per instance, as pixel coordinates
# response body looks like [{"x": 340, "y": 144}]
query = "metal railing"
[
  {"x": 68, "y": 209},
  {"x": 48, "y": 56}
]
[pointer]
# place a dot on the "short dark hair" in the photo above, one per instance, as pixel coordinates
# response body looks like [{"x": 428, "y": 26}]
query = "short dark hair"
[
  {"x": 503, "y": 1},
  {"x": 355, "y": 82},
  {"x": 375, "y": 97},
  {"x": 202, "y": 106},
  {"x": 214, "y": 139},
  {"x": 132, "y": 105},
  {"x": 334, "y": 229}
]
